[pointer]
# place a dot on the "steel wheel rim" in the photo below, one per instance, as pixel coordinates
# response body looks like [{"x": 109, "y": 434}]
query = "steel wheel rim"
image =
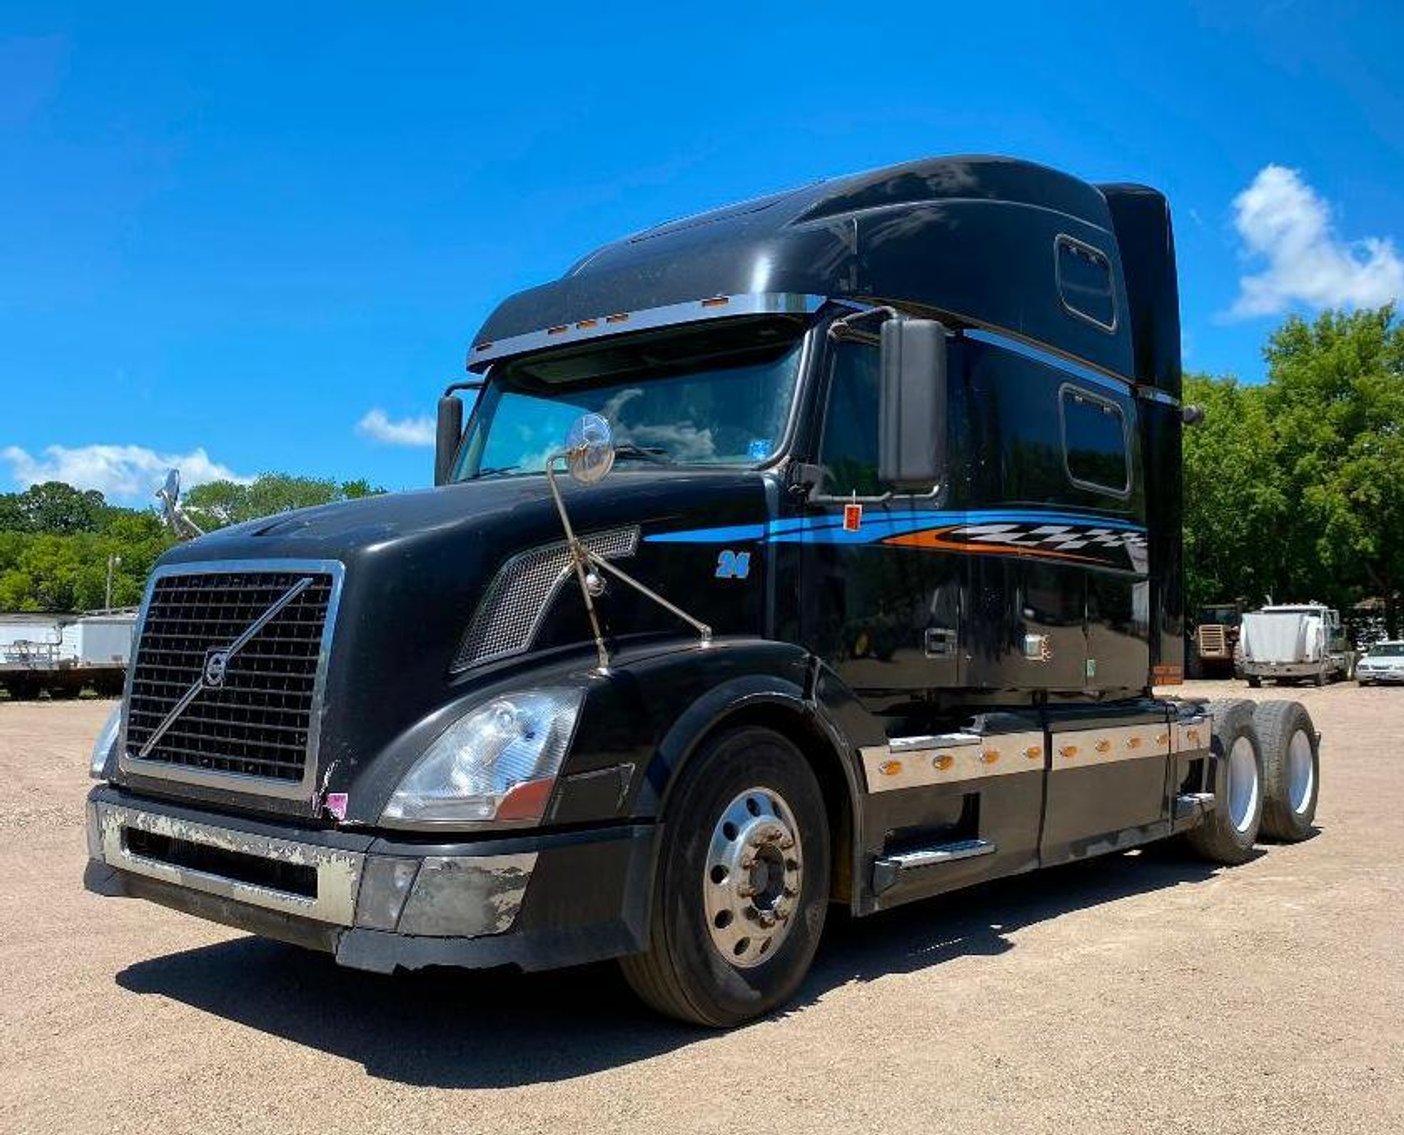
[
  {"x": 753, "y": 877},
  {"x": 1301, "y": 772},
  {"x": 1242, "y": 784}
]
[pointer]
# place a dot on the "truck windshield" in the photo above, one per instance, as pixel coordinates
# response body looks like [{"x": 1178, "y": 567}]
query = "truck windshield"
[
  {"x": 1387, "y": 650},
  {"x": 715, "y": 395}
]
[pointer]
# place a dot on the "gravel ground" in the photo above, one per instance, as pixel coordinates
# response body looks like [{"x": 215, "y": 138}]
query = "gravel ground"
[{"x": 1143, "y": 992}]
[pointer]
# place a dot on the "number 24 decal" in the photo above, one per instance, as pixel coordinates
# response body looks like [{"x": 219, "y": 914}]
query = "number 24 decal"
[{"x": 733, "y": 565}]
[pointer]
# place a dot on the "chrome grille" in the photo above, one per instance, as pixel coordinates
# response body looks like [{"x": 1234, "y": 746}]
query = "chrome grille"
[
  {"x": 519, "y": 596},
  {"x": 259, "y": 717}
]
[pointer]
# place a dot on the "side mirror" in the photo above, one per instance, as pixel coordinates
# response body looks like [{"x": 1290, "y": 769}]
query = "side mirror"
[
  {"x": 447, "y": 435},
  {"x": 912, "y": 404}
]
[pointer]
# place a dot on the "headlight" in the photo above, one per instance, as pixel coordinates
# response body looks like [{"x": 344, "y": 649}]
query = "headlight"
[
  {"x": 102, "y": 747},
  {"x": 497, "y": 763}
]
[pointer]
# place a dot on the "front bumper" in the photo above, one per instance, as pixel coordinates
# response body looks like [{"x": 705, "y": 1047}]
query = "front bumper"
[
  {"x": 1391, "y": 675},
  {"x": 535, "y": 901},
  {"x": 1283, "y": 669}
]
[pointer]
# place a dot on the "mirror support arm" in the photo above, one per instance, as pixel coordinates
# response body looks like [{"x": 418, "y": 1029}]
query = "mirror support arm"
[
  {"x": 579, "y": 558},
  {"x": 590, "y": 585}
]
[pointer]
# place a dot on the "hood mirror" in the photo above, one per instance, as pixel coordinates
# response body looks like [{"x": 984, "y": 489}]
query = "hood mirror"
[
  {"x": 169, "y": 496},
  {"x": 589, "y": 449},
  {"x": 589, "y": 456}
]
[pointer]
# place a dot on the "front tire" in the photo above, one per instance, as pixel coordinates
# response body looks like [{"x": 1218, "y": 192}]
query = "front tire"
[
  {"x": 1227, "y": 834},
  {"x": 1291, "y": 769},
  {"x": 742, "y": 884}
]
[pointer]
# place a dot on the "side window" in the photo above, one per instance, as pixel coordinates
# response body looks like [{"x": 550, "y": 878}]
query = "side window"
[
  {"x": 1094, "y": 442},
  {"x": 1085, "y": 282},
  {"x": 849, "y": 447}
]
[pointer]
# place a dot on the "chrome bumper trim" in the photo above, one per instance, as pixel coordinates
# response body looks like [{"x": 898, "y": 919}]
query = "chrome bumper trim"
[{"x": 338, "y": 872}]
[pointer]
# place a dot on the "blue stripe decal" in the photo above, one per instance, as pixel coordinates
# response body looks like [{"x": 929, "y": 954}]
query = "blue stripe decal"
[
  {"x": 878, "y": 525},
  {"x": 736, "y": 534}
]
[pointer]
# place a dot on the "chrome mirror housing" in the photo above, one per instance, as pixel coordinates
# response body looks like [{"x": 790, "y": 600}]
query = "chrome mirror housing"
[
  {"x": 169, "y": 496},
  {"x": 589, "y": 449}
]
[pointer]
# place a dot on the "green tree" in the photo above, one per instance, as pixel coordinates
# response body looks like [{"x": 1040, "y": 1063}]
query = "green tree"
[
  {"x": 52, "y": 507},
  {"x": 218, "y": 503},
  {"x": 1335, "y": 394},
  {"x": 1235, "y": 499}
]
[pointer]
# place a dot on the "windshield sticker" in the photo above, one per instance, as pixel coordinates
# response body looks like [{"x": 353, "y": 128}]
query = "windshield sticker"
[{"x": 759, "y": 449}]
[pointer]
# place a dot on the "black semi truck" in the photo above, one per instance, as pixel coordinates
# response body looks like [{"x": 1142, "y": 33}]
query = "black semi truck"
[{"x": 823, "y": 549}]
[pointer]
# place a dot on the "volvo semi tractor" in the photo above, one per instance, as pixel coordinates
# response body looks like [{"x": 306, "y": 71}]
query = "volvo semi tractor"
[{"x": 819, "y": 551}]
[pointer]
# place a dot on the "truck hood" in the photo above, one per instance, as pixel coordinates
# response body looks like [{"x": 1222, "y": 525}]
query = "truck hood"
[{"x": 418, "y": 565}]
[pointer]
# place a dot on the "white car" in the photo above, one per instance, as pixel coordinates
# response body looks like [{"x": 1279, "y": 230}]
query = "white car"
[{"x": 1383, "y": 662}]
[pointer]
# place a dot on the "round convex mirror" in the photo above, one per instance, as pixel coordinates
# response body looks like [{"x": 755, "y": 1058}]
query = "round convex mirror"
[{"x": 589, "y": 449}]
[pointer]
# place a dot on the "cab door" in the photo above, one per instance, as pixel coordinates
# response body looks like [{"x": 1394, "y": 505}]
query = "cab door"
[{"x": 877, "y": 605}]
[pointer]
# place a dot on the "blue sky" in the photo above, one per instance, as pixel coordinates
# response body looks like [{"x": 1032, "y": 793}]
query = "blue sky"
[{"x": 229, "y": 238}]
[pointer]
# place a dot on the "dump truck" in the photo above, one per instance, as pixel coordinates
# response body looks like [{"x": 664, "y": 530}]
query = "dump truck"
[
  {"x": 821, "y": 551},
  {"x": 1290, "y": 643}
]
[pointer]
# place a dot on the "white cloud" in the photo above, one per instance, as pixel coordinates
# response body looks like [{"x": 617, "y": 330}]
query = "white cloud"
[
  {"x": 407, "y": 431},
  {"x": 119, "y": 472},
  {"x": 1285, "y": 222}
]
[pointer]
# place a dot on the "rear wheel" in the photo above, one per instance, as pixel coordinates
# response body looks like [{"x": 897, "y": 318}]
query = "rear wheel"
[
  {"x": 1255, "y": 683},
  {"x": 742, "y": 884},
  {"x": 1227, "y": 833},
  {"x": 1291, "y": 769}
]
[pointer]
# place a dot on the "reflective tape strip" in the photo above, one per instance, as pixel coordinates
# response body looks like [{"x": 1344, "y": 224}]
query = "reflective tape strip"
[{"x": 1000, "y": 754}]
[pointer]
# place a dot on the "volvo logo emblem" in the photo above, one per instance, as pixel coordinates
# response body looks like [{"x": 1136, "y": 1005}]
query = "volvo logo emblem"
[{"x": 216, "y": 663}]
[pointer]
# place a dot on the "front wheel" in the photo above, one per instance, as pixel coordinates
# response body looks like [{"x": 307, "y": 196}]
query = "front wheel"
[{"x": 742, "y": 884}]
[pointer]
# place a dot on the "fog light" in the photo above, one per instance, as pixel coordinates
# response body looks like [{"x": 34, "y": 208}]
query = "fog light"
[{"x": 385, "y": 882}]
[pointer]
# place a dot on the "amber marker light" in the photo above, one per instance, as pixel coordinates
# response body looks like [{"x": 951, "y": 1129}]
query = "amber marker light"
[
  {"x": 1102, "y": 746},
  {"x": 1069, "y": 751},
  {"x": 717, "y": 301},
  {"x": 890, "y": 768},
  {"x": 944, "y": 761},
  {"x": 990, "y": 756},
  {"x": 1034, "y": 752}
]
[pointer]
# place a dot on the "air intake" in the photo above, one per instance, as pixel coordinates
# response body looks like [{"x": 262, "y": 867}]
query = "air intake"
[{"x": 521, "y": 593}]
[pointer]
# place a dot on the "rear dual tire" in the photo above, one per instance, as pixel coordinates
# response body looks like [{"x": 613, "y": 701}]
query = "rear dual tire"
[
  {"x": 1228, "y": 832},
  {"x": 1291, "y": 769}
]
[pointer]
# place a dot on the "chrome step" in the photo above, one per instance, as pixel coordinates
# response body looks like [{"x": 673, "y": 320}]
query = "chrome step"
[
  {"x": 1189, "y": 804},
  {"x": 888, "y": 869}
]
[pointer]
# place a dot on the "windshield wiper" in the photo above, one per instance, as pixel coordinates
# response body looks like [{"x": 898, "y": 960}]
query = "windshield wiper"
[{"x": 656, "y": 454}]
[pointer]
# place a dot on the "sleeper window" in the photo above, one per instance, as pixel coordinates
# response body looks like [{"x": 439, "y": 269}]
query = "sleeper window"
[
  {"x": 1085, "y": 282},
  {"x": 1094, "y": 442}
]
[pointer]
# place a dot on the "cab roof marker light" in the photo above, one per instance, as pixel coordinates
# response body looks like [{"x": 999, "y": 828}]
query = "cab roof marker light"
[
  {"x": 716, "y": 301},
  {"x": 620, "y": 317}
]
